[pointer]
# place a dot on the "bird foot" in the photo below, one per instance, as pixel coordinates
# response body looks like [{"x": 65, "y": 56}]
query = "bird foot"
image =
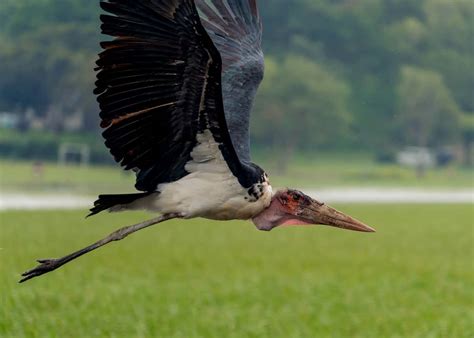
[{"x": 46, "y": 265}]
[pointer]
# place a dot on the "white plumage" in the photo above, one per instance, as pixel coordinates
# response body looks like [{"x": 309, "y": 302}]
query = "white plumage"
[{"x": 210, "y": 190}]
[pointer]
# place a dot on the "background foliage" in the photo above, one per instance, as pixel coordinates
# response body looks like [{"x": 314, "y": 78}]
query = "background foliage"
[{"x": 365, "y": 74}]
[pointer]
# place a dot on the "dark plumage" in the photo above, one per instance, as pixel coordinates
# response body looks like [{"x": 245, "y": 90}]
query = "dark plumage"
[{"x": 159, "y": 85}]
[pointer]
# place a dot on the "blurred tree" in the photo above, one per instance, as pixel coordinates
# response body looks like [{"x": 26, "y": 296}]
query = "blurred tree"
[
  {"x": 358, "y": 48},
  {"x": 21, "y": 16},
  {"x": 302, "y": 105},
  {"x": 43, "y": 69},
  {"x": 467, "y": 128},
  {"x": 427, "y": 114},
  {"x": 408, "y": 37},
  {"x": 450, "y": 46}
]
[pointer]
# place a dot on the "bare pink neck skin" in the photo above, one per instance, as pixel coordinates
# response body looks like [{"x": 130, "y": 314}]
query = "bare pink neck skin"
[{"x": 276, "y": 214}]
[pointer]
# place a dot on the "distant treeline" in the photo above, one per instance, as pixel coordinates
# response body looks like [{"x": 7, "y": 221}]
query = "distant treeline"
[{"x": 369, "y": 74}]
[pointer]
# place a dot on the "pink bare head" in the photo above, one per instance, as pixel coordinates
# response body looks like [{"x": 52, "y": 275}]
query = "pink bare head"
[{"x": 292, "y": 207}]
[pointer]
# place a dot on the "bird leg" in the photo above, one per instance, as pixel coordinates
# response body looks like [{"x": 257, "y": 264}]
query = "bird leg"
[{"x": 48, "y": 265}]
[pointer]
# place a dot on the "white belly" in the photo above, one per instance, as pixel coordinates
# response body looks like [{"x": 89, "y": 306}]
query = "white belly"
[
  {"x": 207, "y": 195},
  {"x": 209, "y": 191}
]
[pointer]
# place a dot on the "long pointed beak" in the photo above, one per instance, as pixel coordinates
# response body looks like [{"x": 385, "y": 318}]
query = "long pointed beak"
[{"x": 319, "y": 213}]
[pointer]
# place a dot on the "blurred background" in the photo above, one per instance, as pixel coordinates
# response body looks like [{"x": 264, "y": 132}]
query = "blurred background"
[
  {"x": 365, "y": 92},
  {"x": 363, "y": 101}
]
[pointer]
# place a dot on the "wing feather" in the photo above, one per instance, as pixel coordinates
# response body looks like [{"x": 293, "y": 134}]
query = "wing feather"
[
  {"x": 236, "y": 29},
  {"x": 158, "y": 87}
]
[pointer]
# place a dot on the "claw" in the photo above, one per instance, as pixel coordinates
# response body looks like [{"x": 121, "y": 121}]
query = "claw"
[{"x": 46, "y": 265}]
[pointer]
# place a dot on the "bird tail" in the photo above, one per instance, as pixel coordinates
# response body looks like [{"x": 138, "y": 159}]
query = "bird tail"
[{"x": 110, "y": 202}]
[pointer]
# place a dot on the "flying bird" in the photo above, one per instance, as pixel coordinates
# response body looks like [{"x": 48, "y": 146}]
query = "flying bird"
[{"x": 175, "y": 88}]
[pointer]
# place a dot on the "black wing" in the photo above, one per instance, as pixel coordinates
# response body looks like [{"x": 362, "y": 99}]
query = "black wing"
[
  {"x": 236, "y": 29},
  {"x": 159, "y": 85}
]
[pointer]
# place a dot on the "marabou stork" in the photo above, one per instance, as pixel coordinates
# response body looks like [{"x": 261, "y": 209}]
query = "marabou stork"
[{"x": 175, "y": 88}]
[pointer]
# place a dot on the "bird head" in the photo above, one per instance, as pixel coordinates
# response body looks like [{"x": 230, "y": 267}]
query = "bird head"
[{"x": 292, "y": 207}]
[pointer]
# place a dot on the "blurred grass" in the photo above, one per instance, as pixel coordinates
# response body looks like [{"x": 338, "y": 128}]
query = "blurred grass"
[
  {"x": 18, "y": 176},
  {"x": 325, "y": 172},
  {"x": 413, "y": 278}
]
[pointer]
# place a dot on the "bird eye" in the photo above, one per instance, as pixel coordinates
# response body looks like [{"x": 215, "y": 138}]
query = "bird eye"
[{"x": 296, "y": 197}]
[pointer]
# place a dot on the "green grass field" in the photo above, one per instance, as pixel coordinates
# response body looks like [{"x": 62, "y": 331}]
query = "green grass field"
[
  {"x": 304, "y": 173},
  {"x": 413, "y": 278}
]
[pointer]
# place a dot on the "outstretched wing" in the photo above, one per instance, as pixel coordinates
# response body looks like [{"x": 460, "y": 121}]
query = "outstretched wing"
[
  {"x": 236, "y": 29},
  {"x": 159, "y": 87}
]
